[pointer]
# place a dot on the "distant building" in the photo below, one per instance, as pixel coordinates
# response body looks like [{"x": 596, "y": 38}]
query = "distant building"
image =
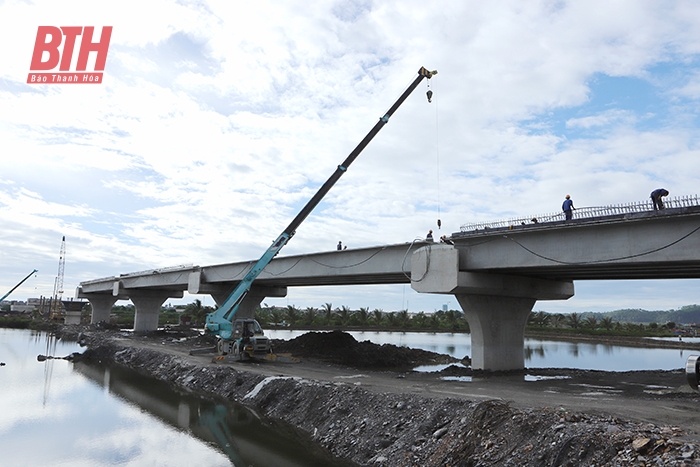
[{"x": 20, "y": 307}]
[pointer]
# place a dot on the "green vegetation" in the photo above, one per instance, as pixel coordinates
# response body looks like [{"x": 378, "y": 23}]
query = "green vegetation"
[
  {"x": 615, "y": 323},
  {"x": 689, "y": 314},
  {"x": 590, "y": 324},
  {"x": 328, "y": 317},
  {"x": 15, "y": 321}
]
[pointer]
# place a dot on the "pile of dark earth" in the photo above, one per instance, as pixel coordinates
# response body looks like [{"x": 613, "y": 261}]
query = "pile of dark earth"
[{"x": 341, "y": 348}]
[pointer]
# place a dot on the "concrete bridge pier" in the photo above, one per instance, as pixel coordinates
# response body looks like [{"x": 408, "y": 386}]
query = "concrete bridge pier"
[
  {"x": 197, "y": 284},
  {"x": 497, "y": 327},
  {"x": 101, "y": 305},
  {"x": 251, "y": 301},
  {"x": 495, "y": 305},
  {"x": 148, "y": 305}
]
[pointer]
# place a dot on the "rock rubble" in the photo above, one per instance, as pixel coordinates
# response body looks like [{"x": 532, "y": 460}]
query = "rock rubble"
[{"x": 405, "y": 429}]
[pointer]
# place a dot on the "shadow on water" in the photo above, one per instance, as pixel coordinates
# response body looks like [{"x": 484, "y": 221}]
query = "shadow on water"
[{"x": 237, "y": 431}]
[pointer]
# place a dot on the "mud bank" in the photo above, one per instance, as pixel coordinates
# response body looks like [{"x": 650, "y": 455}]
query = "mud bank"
[{"x": 398, "y": 427}]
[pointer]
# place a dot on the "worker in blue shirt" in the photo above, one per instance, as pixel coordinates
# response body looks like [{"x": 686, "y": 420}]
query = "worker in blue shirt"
[
  {"x": 656, "y": 198},
  {"x": 568, "y": 207}
]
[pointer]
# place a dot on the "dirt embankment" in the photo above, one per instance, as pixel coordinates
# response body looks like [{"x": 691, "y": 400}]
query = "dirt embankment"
[
  {"x": 625, "y": 341},
  {"x": 397, "y": 422}
]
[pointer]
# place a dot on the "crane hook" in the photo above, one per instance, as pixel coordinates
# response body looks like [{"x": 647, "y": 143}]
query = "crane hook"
[{"x": 430, "y": 95}]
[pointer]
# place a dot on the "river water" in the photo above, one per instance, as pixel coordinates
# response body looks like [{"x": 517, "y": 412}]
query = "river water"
[
  {"x": 538, "y": 353},
  {"x": 57, "y": 413}
]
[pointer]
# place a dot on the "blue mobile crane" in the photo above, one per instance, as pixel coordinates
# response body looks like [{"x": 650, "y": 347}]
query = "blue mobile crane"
[{"x": 244, "y": 338}]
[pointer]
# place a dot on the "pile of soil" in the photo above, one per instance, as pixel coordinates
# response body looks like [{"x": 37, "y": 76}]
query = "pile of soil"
[{"x": 340, "y": 348}]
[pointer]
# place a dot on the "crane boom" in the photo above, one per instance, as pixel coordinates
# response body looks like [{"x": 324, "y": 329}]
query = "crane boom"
[
  {"x": 20, "y": 283},
  {"x": 220, "y": 321}
]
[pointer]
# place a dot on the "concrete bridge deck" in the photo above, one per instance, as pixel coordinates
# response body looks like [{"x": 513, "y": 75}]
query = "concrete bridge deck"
[
  {"x": 635, "y": 245},
  {"x": 497, "y": 274}
]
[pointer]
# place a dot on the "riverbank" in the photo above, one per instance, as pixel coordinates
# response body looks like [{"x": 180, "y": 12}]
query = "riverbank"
[
  {"x": 400, "y": 418},
  {"x": 626, "y": 341}
]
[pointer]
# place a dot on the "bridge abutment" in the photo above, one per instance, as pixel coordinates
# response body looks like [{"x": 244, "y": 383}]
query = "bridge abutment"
[{"x": 495, "y": 305}]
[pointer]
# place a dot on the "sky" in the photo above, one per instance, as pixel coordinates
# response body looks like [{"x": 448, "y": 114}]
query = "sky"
[{"x": 218, "y": 120}]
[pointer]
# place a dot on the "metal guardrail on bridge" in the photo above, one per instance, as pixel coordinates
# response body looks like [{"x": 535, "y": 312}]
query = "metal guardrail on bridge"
[{"x": 585, "y": 212}]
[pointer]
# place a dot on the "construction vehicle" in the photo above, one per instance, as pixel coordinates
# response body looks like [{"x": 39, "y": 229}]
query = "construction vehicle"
[
  {"x": 15, "y": 287},
  {"x": 233, "y": 335}
]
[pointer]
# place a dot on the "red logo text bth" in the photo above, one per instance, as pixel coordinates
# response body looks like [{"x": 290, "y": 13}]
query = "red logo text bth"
[{"x": 47, "y": 55}]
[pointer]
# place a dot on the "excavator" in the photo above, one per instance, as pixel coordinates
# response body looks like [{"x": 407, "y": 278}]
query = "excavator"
[{"x": 244, "y": 338}]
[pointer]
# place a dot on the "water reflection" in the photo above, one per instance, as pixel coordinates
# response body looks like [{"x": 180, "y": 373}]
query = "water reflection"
[
  {"x": 86, "y": 415},
  {"x": 573, "y": 350},
  {"x": 538, "y": 353},
  {"x": 50, "y": 349},
  {"x": 536, "y": 350},
  {"x": 234, "y": 428}
]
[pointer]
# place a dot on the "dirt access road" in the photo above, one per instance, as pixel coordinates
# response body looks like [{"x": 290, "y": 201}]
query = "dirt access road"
[{"x": 660, "y": 397}]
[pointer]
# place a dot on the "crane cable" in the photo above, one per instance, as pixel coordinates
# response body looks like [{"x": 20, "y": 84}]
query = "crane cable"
[{"x": 429, "y": 93}]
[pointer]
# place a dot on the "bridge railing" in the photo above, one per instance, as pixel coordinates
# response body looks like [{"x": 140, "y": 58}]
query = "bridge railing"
[{"x": 585, "y": 212}]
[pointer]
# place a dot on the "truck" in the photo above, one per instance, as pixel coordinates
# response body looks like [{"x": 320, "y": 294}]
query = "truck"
[{"x": 244, "y": 338}]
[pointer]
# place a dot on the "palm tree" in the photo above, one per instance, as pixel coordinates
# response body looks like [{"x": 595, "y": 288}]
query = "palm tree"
[
  {"x": 327, "y": 310},
  {"x": 197, "y": 312},
  {"x": 362, "y": 316},
  {"x": 402, "y": 318},
  {"x": 344, "y": 314},
  {"x": 606, "y": 323},
  {"x": 378, "y": 316},
  {"x": 557, "y": 320},
  {"x": 531, "y": 319},
  {"x": 419, "y": 320},
  {"x": 591, "y": 322},
  {"x": 451, "y": 317},
  {"x": 276, "y": 315},
  {"x": 309, "y": 315},
  {"x": 543, "y": 319},
  {"x": 292, "y": 314},
  {"x": 434, "y": 321},
  {"x": 574, "y": 321}
]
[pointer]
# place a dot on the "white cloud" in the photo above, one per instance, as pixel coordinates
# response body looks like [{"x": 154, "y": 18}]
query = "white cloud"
[
  {"x": 611, "y": 117},
  {"x": 217, "y": 121}
]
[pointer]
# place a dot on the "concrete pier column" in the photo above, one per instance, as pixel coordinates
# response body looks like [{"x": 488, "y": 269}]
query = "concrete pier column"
[
  {"x": 497, "y": 326},
  {"x": 101, "y": 307},
  {"x": 495, "y": 305},
  {"x": 147, "y": 309}
]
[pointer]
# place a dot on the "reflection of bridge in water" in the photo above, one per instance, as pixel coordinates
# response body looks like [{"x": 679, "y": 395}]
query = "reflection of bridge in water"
[{"x": 237, "y": 431}]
